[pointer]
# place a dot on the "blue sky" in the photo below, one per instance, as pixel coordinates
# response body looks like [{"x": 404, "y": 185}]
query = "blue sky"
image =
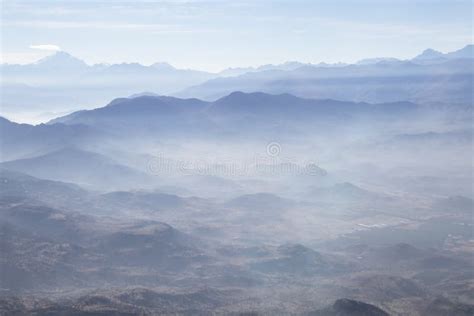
[{"x": 212, "y": 35}]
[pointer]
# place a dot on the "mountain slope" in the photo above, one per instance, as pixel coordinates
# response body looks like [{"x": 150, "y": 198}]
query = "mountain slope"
[
  {"x": 81, "y": 167},
  {"x": 57, "y": 194},
  {"x": 24, "y": 140}
]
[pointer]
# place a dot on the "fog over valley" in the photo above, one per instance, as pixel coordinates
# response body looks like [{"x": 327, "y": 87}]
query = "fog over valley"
[{"x": 295, "y": 188}]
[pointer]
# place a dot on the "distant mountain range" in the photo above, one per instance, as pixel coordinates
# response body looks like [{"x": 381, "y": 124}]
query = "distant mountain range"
[
  {"x": 437, "y": 56},
  {"x": 63, "y": 61},
  {"x": 427, "y": 56},
  {"x": 430, "y": 78},
  {"x": 62, "y": 82},
  {"x": 237, "y": 114},
  {"x": 146, "y": 119}
]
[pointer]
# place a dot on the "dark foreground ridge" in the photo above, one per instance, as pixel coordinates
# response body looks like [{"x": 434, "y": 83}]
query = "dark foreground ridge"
[
  {"x": 140, "y": 301},
  {"x": 347, "y": 307}
]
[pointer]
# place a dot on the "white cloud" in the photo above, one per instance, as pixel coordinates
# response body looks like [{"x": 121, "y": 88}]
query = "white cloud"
[
  {"x": 46, "y": 47},
  {"x": 21, "y": 58}
]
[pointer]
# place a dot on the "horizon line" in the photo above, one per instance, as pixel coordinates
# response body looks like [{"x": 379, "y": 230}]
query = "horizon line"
[{"x": 255, "y": 67}]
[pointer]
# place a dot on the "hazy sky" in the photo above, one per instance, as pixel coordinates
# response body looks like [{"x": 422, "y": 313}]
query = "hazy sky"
[{"x": 213, "y": 35}]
